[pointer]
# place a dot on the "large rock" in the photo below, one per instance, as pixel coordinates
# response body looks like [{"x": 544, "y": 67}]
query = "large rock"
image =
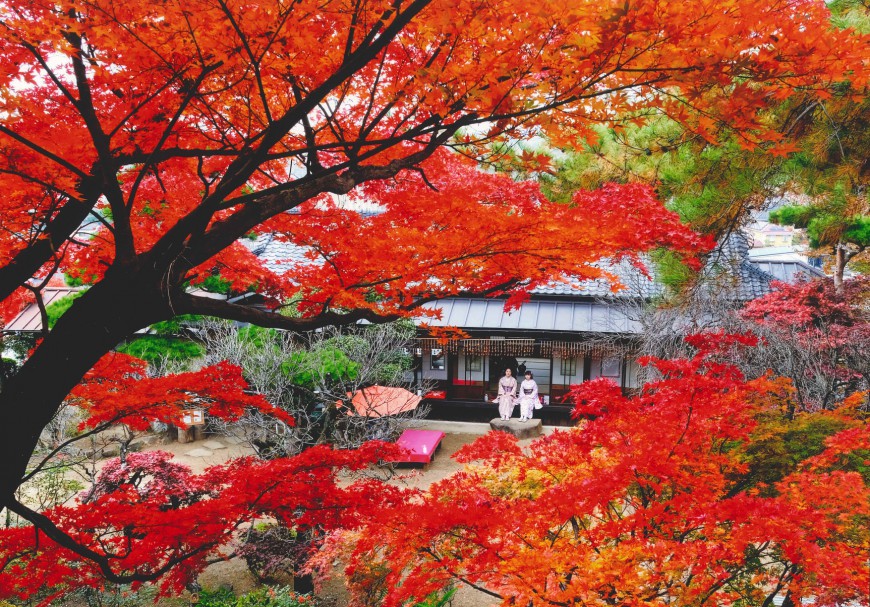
[
  {"x": 529, "y": 429},
  {"x": 142, "y": 443}
]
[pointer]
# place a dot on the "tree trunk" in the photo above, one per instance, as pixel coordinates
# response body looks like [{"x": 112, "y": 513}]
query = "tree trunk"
[
  {"x": 122, "y": 303},
  {"x": 840, "y": 261}
]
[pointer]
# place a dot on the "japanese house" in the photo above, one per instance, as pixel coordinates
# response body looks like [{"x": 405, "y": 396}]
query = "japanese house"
[{"x": 565, "y": 334}]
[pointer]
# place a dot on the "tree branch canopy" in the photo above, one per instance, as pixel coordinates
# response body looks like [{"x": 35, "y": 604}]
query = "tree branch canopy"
[{"x": 186, "y": 131}]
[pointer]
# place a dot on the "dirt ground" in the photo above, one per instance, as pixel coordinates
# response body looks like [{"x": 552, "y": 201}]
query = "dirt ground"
[{"x": 234, "y": 573}]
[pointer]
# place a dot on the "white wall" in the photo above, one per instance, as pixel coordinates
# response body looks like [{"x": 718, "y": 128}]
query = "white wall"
[
  {"x": 429, "y": 372},
  {"x": 617, "y": 368},
  {"x": 566, "y": 380},
  {"x": 471, "y": 375}
]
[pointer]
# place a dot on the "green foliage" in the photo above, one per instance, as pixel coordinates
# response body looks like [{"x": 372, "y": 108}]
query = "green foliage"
[
  {"x": 262, "y": 597},
  {"x": 258, "y": 337},
  {"x": 826, "y": 223},
  {"x": 216, "y": 284},
  {"x": 57, "y": 308},
  {"x": 337, "y": 359},
  {"x": 850, "y": 14},
  {"x": 782, "y": 444},
  {"x": 858, "y": 231},
  {"x": 79, "y": 280},
  {"x": 709, "y": 186},
  {"x": 175, "y": 325},
  {"x": 156, "y": 348},
  {"x": 328, "y": 362},
  {"x": 18, "y": 345},
  {"x": 713, "y": 186},
  {"x": 121, "y": 596},
  {"x": 670, "y": 269},
  {"x": 167, "y": 345},
  {"x": 797, "y": 216},
  {"x": 438, "y": 599},
  {"x": 651, "y": 152}
]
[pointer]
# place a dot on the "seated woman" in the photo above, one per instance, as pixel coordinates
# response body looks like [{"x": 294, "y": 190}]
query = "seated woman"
[
  {"x": 528, "y": 397},
  {"x": 507, "y": 388}
]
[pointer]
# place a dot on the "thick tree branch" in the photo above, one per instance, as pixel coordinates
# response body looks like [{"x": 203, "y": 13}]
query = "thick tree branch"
[{"x": 191, "y": 304}]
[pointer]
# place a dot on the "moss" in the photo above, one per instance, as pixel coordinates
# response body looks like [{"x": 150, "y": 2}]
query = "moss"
[{"x": 262, "y": 597}]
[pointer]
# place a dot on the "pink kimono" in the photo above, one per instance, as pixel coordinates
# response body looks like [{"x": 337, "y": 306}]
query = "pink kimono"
[
  {"x": 507, "y": 389},
  {"x": 528, "y": 398}
]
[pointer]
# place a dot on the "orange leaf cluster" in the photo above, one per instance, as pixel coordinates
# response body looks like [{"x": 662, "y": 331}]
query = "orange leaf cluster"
[
  {"x": 141, "y": 140},
  {"x": 473, "y": 233},
  {"x": 634, "y": 507}
]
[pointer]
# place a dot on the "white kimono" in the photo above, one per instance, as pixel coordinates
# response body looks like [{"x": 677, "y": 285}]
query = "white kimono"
[
  {"x": 507, "y": 389},
  {"x": 528, "y": 398}
]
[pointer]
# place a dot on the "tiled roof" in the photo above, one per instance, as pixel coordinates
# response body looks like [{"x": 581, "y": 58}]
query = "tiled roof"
[
  {"x": 788, "y": 271},
  {"x": 593, "y": 316},
  {"x": 729, "y": 263},
  {"x": 784, "y": 252},
  {"x": 279, "y": 255},
  {"x": 634, "y": 284},
  {"x": 730, "y": 269},
  {"x": 276, "y": 254}
]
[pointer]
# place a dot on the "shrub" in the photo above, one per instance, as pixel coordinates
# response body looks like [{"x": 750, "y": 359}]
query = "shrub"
[{"x": 263, "y": 597}]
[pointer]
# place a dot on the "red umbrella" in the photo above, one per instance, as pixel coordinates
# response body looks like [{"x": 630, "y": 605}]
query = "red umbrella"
[{"x": 378, "y": 401}]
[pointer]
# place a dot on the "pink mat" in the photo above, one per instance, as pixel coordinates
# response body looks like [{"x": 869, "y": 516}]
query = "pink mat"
[{"x": 421, "y": 444}]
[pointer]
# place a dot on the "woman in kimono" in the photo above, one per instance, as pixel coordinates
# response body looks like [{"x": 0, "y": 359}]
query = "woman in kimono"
[
  {"x": 528, "y": 397},
  {"x": 506, "y": 399}
]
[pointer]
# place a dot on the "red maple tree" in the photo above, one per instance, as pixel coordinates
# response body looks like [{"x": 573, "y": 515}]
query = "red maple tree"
[
  {"x": 634, "y": 506},
  {"x": 140, "y": 141},
  {"x": 818, "y": 336}
]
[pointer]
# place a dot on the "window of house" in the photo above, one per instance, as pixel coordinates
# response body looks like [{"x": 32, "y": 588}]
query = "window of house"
[
  {"x": 568, "y": 367},
  {"x": 611, "y": 367},
  {"x": 437, "y": 360},
  {"x": 474, "y": 363}
]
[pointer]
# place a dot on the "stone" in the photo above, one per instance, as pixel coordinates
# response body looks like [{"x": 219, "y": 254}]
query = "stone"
[
  {"x": 110, "y": 450},
  {"x": 200, "y": 452},
  {"x": 191, "y": 434},
  {"x": 529, "y": 429},
  {"x": 214, "y": 445},
  {"x": 146, "y": 440}
]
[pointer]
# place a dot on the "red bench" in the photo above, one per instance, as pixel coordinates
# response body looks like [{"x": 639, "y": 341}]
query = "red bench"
[{"x": 421, "y": 445}]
